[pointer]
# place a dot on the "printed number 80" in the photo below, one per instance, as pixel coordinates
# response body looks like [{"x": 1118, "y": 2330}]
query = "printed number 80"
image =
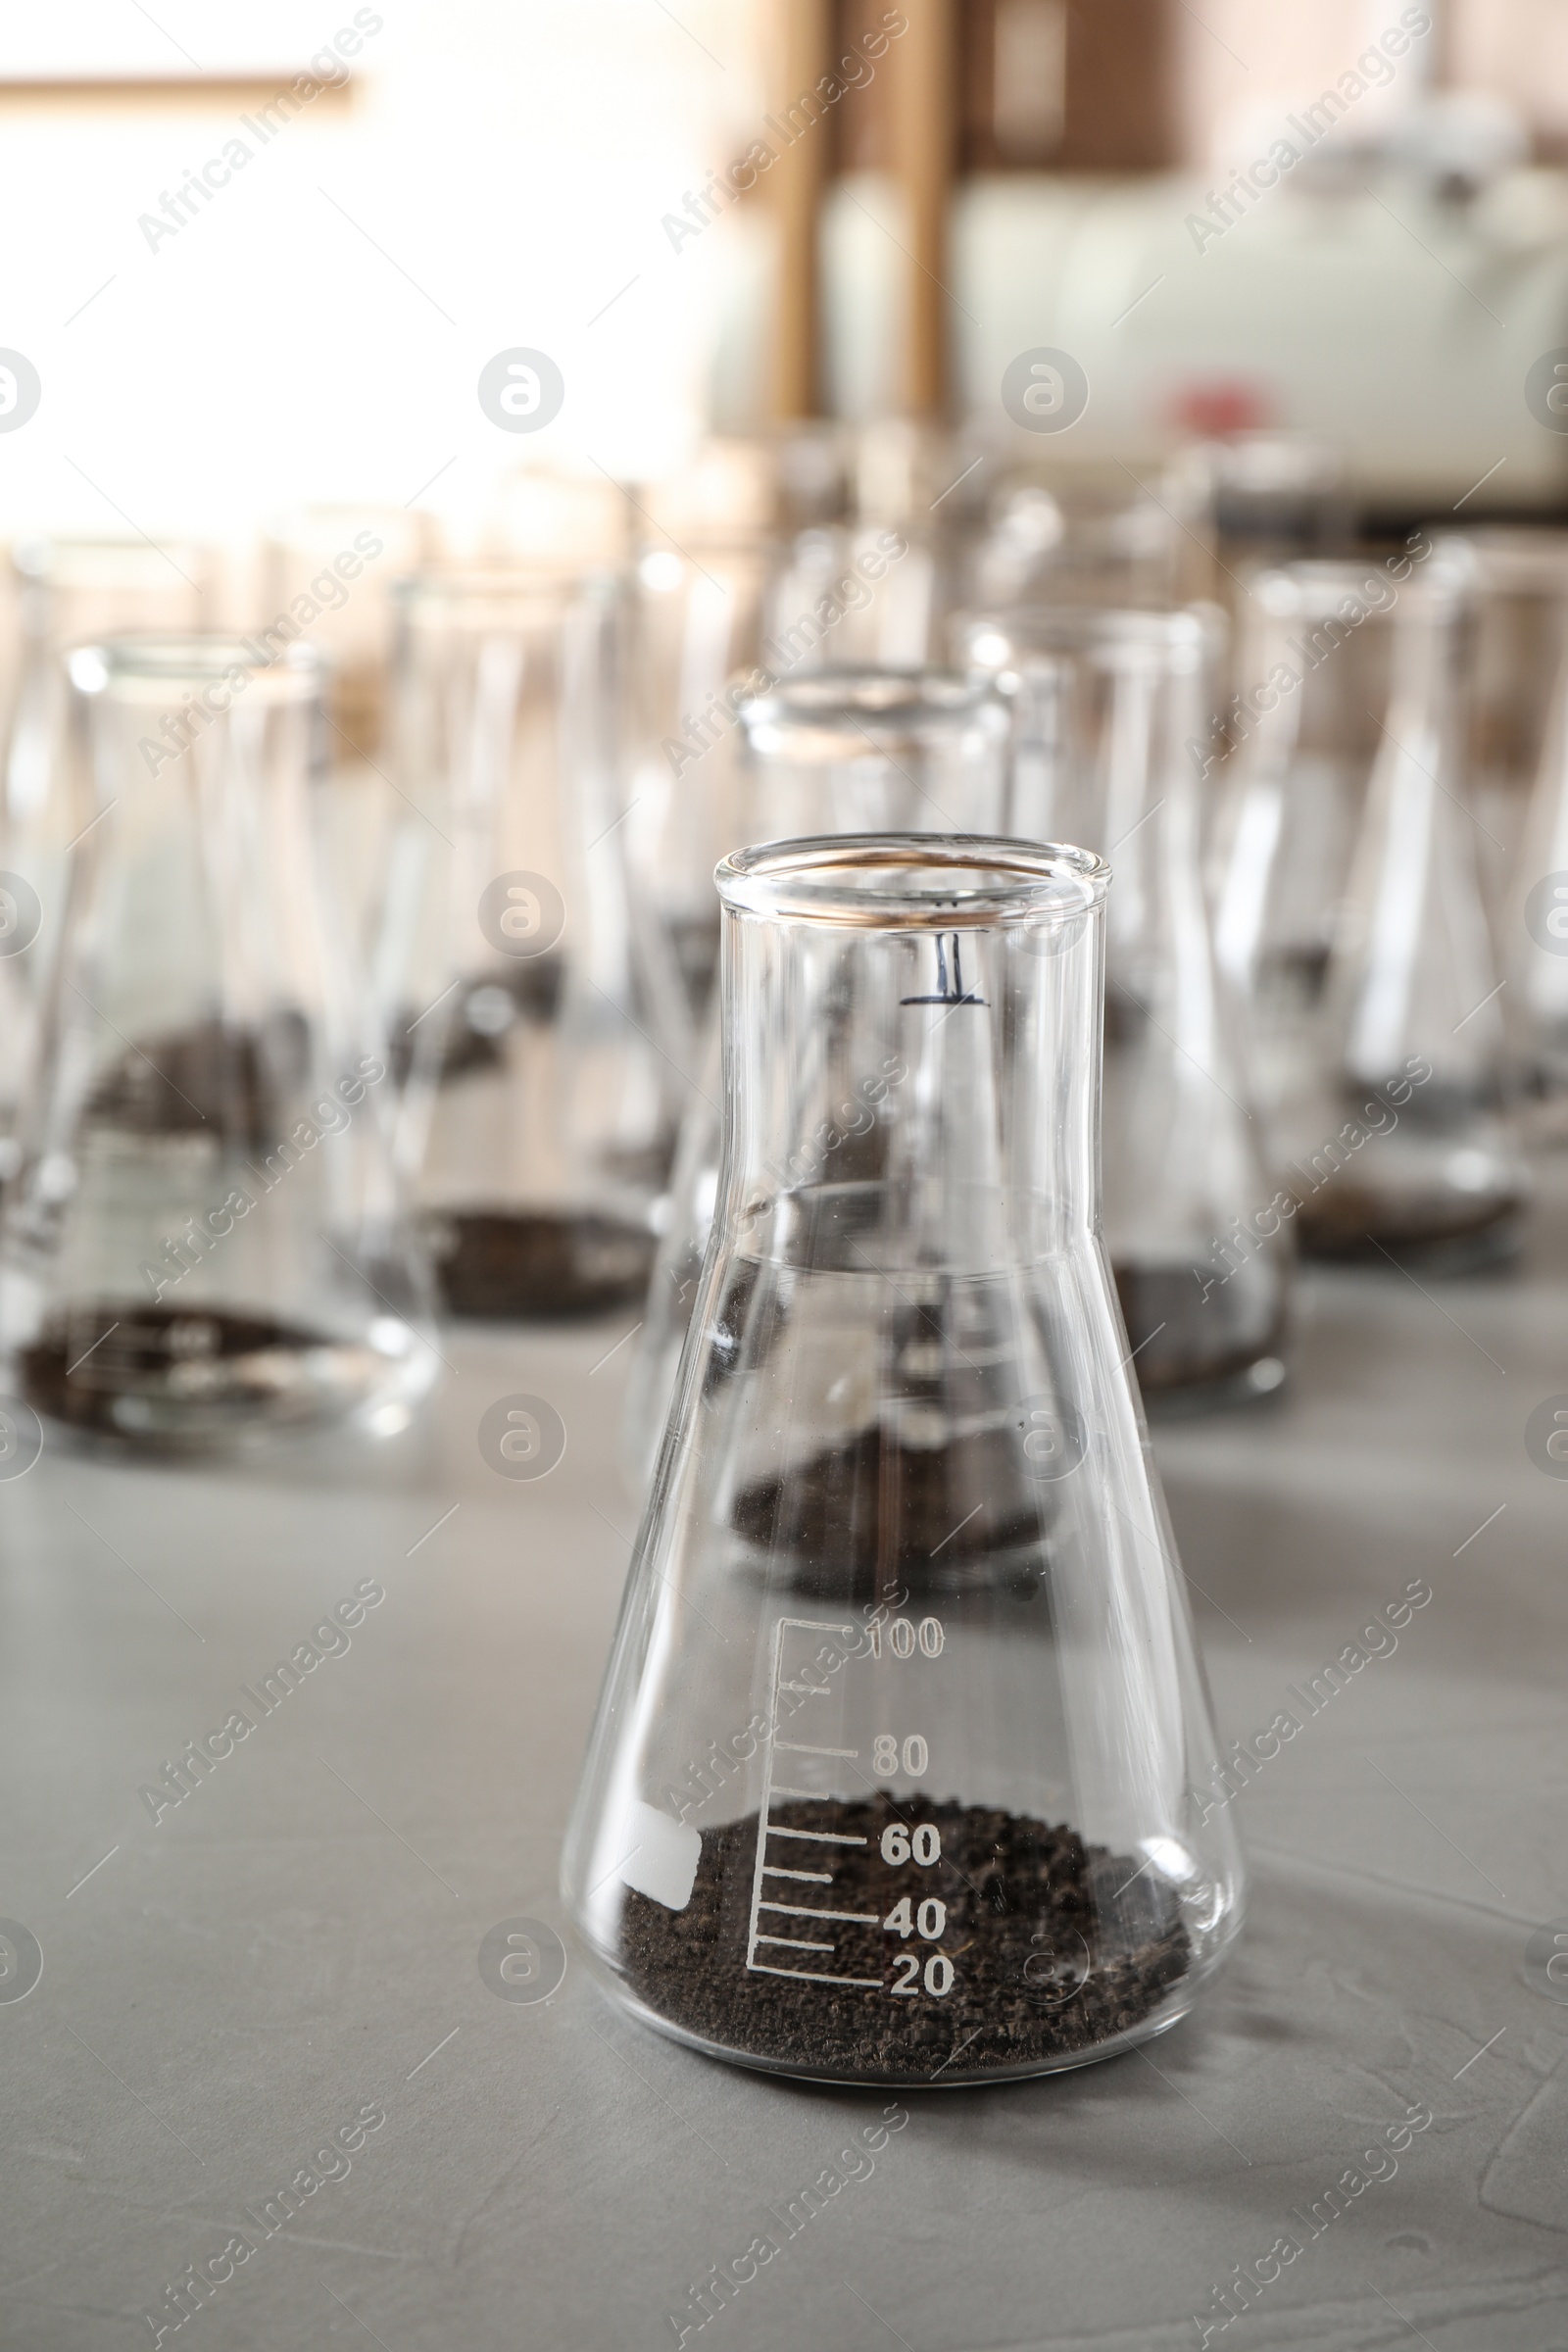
[{"x": 884, "y": 1754}]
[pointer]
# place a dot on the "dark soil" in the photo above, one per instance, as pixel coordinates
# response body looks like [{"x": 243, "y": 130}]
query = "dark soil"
[
  {"x": 1055, "y": 1947},
  {"x": 503, "y": 1265},
  {"x": 87, "y": 1363},
  {"x": 237, "y": 1085},
  {"x": 910, "y": 1515},
  {"x": 1179, "y": 1338}
]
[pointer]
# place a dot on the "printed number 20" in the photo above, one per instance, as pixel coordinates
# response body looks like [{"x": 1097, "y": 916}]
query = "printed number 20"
[{"x": 938, "y": 1973}]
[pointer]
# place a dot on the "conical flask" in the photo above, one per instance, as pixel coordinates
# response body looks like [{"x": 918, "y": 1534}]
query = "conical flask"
[
  {"x": 1308, "y": 724},
  {"x": 1108, "y": 706},
  {"x": 835, "y": 752},
  {"x": 69, "y": 592},
  {"x": 1535, "y": 930},
  {"x": 203, "y": 1243},
  {"x": 522, "y": 980},
  {"x": 1407, "y": 1141},
  {"x": 896, "y": 1773},
  {"x": 1520, "y": 635}
]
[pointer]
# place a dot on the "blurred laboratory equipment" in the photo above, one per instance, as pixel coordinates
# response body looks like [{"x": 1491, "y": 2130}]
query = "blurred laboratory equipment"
[
  {"x": 521, "y": 977},
  {"x": 1519, "y": 637},
  {"x": 1405, "y": 1141},
  {"x": 1110, "y": 719},
  {"x": 1306, "y": 725},
  {"x": 903, "y": 1683},
  {"x": 204, "y": 1242},
  {"x": 67, "y": 592},
  {"x": 832, "y": 752}
]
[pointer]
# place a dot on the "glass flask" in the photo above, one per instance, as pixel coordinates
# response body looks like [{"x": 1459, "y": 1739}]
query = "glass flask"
[
  {"x": 1081, "y": 544},
  {"x": 835, "y": 752},
  {"x": 1110, "y": 713},
  {"x": 1519, "y": 637},
  {"x": 1405, "y": 1142},
  {"x": 1535, "y": 931},
  {"x": 203, "y": 1243},
  {"x": 696, "y": 626},
  {"x": 1251, "y": 503},
  {"x": 1306, "y": 726},
  {"x": 67, "y": 592},
  {"x": 329, "y": 569},
  {"x": 903, "y": 1707},
  {"x": 519, "y": 975}
]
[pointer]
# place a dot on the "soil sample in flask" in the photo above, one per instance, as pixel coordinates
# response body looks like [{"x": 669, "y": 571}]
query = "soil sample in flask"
[
  {"x": 532, "y": 999},
  {"x": 892, "y": 1775},
  {"x": 203, "y": 1243}
]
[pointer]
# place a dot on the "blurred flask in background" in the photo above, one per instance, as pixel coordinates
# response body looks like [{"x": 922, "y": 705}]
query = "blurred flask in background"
[
  {"x": 330, "y": 569},
  {"x": 528, "y": 993},
  {"x": 1110, "y": 719},
  {"x": 204, "y": 1243},
  {"x": 836, "y": 752},
  {"x": 1072, "y": 543},
  {"x": 67, "y": 592},
  {"x": 1519, "y": 636},
  {"x": 1249, "y": 503},
  {"x": 327, "y": 571},
  {"x": 1404, "y": 1140},
  {"x": 1308, "y": 722},
  {"x": 1535, "y": 931}
]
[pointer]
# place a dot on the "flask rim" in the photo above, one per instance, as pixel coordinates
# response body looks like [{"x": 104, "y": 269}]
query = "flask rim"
[
  {"x": 164, "y": 661},
  {"x": 858, "y": 707},
  {"x": 466, "y": 589},
  {"x": 1185, "y": 637},
  {"x": 914, "y": 881}
]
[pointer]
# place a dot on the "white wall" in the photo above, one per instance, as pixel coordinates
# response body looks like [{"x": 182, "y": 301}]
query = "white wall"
[{"x": 512, "y": 158}]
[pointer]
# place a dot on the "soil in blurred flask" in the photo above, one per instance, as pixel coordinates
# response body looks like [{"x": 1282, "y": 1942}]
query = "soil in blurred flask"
[{"x": 203, "y": 1241}]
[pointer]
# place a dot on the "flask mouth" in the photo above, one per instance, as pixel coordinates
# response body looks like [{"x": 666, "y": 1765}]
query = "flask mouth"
[
  {"x": 842, "y": 714},
  {"x": 153, "y": 668},
  {"x": 915, "y": 882},
  {"x": 1183, "y": 640},
  {"x": 488, "y": 595}
]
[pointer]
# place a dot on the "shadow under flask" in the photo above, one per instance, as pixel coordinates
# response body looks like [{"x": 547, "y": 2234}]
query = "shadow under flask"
[
  {"x": 203, "y": 1243},
  {"x": 894, "y": 1777}
]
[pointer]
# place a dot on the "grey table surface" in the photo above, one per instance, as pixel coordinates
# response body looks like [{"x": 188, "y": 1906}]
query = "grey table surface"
[{"x": 223, "y": 1989}]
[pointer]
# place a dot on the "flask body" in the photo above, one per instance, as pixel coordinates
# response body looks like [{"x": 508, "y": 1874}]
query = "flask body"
[{"x": 903, "y": 1771}]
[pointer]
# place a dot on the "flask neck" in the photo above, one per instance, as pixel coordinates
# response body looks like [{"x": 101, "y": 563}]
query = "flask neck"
[{"x": 910, "y": 1096}]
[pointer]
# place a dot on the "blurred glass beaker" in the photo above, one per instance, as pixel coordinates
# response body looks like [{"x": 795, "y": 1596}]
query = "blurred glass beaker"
[
  {"x": 1404, "y": 1139},
  {"x": 1519, "y": 637},
  {"x": 696, "y": 622},
  {"x": 834, "y": 752},
  {"x": 329, "y": 570},
  {"x": 69, "y": 592},
  {"x": 896, "y": 1768},
  {"x": 1251, "y": 502},
  {"x": 1110, "y": 713},
  {"x": 1072, "y": 543},
  {"x": 1309, "y": 722},
  {"x": 519, "y": 982},
  {"x": 204, "y": 1243},
  {"x": 1535, "y": 931}
]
